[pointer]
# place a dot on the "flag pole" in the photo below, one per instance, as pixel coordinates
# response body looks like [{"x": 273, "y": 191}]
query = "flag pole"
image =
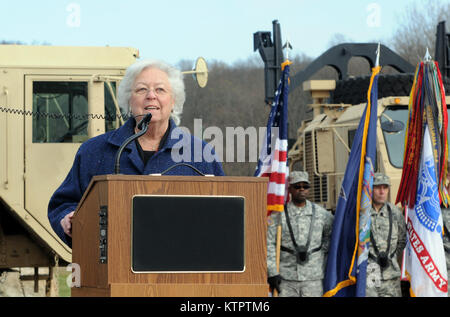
[
  {"x": 346, "y": 270},
  {"x": 287, "y": 47}
]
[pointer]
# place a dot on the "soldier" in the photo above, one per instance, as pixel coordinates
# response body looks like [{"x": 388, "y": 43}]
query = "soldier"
[
  {"x": 446, "y": 220},
  {"x": 306, "y": 232},
  {"x": 387, "y": 240}
]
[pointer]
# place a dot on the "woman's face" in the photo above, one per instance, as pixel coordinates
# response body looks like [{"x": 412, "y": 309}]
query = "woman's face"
[{"x": 151, "y": 92}]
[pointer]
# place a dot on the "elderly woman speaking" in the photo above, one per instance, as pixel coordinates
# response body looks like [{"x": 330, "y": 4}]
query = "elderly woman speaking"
[{"x": 147, "y": 87}]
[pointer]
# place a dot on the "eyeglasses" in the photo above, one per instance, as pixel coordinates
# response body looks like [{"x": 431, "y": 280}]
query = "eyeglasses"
[
  {"x": 143, "y": 91},
  {"x": 298, "y": 186}
]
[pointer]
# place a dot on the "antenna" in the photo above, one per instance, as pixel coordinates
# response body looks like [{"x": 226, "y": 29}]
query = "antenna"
[{"x": 200, "y": 72}]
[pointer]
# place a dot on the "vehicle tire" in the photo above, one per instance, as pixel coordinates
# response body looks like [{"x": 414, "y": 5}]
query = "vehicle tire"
[{"x": 354, "y": 90}]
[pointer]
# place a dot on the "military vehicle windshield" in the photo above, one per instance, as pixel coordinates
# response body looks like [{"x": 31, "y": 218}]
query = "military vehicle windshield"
[{"x": 395, "y": 140}]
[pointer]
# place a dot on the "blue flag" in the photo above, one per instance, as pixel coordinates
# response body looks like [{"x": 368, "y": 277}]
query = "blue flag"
[{"x": 349, "y": 248}]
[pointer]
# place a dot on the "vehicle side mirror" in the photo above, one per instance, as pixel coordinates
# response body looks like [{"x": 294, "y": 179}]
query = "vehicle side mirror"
[{"x": 393, "y": 126}]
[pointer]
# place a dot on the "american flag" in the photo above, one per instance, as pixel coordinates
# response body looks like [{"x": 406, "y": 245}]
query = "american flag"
[{"x": 272, "y": 161}]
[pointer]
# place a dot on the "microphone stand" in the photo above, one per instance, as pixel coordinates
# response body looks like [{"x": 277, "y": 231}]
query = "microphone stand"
[{"x": 143, "y": 126}]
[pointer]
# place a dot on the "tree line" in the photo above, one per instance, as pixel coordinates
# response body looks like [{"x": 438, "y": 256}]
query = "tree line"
[{"x": 234, "y": 96}]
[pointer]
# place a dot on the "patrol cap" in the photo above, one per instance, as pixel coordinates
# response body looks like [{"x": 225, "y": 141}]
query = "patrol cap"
[
  {"x": 297, "y": 177},
  {"x": 381, "y": 179}
]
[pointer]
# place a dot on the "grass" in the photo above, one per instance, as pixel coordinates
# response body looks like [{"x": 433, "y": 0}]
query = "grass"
[{"x": 64, "y": 289}]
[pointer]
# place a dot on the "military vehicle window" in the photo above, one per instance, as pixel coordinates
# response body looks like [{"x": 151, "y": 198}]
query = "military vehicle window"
[
  {"x": 112, "y": 121},
  {"x": 395, "y": 141},
  {"x": 60, "y": 109},
  {"x": 351, "y": 137}
]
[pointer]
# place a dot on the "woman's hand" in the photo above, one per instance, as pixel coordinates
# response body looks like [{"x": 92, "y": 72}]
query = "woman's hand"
[{"x": 66, "y": 223}]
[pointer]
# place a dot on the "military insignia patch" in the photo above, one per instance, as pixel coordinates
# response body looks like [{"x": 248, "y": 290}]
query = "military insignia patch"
[{"x": 428, "y": 199}]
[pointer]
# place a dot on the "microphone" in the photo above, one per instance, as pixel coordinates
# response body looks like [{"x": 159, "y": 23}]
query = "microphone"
[
  {"x": 143, "y": 126},
  {"x": 146, "y": 121}
]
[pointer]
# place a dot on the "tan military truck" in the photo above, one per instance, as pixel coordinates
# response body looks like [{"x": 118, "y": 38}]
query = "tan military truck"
[
  {"x": 323, "y": 144},
  {"x": 324, "y": 140},
  {"x": 51, "y": 100}
]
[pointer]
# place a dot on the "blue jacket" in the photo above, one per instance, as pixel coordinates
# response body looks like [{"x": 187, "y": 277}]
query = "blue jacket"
[{"x": 96, "y": 157}]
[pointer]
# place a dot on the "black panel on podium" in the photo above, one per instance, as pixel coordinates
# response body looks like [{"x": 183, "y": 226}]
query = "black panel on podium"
[{"x": 188, "y": 233}]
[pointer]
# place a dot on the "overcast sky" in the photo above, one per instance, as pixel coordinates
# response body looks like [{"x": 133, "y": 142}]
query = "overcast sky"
[{"x": 173, "y": 30}]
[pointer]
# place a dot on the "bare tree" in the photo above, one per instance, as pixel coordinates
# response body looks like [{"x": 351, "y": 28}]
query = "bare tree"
[
  {"x": 338, "y": 38},
  {"x": 417, "y": 29},
  {"x": 5, "y": 42}
]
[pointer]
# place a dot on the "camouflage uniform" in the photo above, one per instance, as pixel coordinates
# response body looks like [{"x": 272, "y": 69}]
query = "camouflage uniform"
[
  {"x": 385, "y": 282},
  {"x": 446, "y": 219},
  {"x": 300, "y": 279}
]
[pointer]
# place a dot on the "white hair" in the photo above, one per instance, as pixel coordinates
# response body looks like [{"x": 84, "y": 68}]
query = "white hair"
[{"x": 175, "y": 79}]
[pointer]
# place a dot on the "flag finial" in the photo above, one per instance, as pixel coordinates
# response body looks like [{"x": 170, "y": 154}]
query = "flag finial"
[
  {"x": 288, "y": 47},
  {"x": 377, "y": 61},
  {"x": 427, "y": 57}
]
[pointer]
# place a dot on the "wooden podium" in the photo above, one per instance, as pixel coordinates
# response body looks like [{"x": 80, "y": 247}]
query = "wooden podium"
[{"x": 105, "y": 264}]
